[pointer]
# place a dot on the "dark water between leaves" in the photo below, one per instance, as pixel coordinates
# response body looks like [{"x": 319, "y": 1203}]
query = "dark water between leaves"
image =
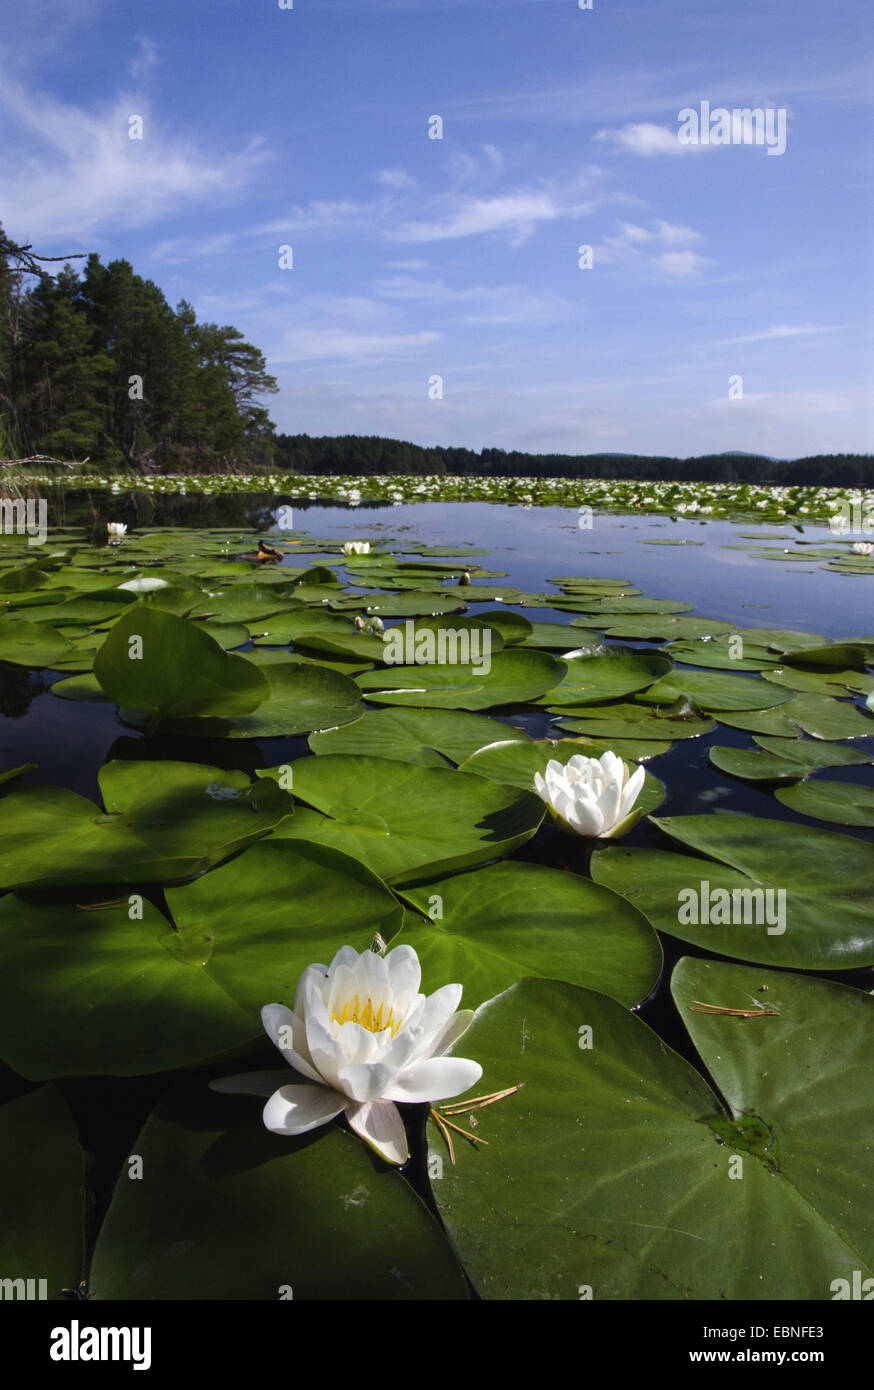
[{"x": 71, "y": 741}]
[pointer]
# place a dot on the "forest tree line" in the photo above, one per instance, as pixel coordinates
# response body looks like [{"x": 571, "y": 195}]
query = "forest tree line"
[{"x": 95, "y": 364}]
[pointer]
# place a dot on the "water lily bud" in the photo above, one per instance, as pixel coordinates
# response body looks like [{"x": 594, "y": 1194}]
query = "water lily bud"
[{"x": 593, "y": 797}]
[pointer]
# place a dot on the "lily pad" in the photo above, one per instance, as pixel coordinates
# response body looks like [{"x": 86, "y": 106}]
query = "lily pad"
[
  {"x": 428, "y": 738},
  {"x": 633, "y": 1155},
  {"x": 714, "y": 692},
  {"x": 302, "y": 697},
  {"x": 314, "y": 1218},
  {"x": 491, "y": 927},
  {"x": 164, "y": 821},
  {"x": 42, "y": 1177},
  {"x": 823, "y": 880},
  {"x": 606, "y": 673},
  {"x": 842, "y": 802},
  {"x": 776, "y": 759},
  {"x": 169, "y": 667},
  {"x": 91, "y": 991},
  {"x": 408, "y": 823},
  {"x": 514, "y": 676}
]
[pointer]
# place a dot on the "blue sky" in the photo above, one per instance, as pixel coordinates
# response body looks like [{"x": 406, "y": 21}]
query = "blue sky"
[{"x": 416, "y": 257}]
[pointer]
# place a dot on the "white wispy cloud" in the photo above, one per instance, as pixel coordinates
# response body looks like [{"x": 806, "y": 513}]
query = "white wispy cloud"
[
  {"x": 321, "y": 344},
  {"x": 496, "y": 304},
  {"x": 798, "y": 330},
  {"x": 645, "y": 139},
  {"x": 666, "y": 248},
  {"x": 81, "y": 174}
]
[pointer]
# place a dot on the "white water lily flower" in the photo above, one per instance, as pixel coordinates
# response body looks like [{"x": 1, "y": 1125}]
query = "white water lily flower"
[
  {"x": 863, "y": 548},
  {"x": 364, "y": 1038},
  {"x": 592, "y": 796},
  {"x": 116, "y": 529},
  {"x": 144, "y": 585},
  {"x": 356, "y": 547}
]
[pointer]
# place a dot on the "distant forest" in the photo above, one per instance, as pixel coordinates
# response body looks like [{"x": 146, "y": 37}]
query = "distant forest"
[{"x": 96, "y": 365}]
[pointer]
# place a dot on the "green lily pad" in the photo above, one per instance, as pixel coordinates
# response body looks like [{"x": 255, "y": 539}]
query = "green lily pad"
[
  {"x": 423, "y": 736},
  {"x": 514, "y": 676},
  {"x": 841, "y": 802},
  {"x": 634, "y": 722},
  {"x": 714, "y": 692},
  {"x": 256, "y": 923},
  {"x": 314, "y": 1218},
  {"x": 823, "y": 880},
  {"x": 168, "y": 667},
  {"x": 164, "y": 821},
  {"x": 807, "y": 1080},
  {"x": 32, "y": 644},
  {"x": 605, "y": 673},
  {"x": 302, "y": 697},
  {"x": 782, "y": 759},
  {"x": 407, "y": 823},
  {"x": 633, "y": 1197},
  {"x": 493, "y": 926},
  {"x": 91, "y": 991},
  {"x": 715, "y": 654},
  {"x": 42, "y": 1177}
]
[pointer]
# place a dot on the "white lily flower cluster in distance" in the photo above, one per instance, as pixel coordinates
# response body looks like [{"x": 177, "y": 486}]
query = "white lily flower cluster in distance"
[
  {"x": 591, "y": 796},
  {"x": 364, "y": 1038}
]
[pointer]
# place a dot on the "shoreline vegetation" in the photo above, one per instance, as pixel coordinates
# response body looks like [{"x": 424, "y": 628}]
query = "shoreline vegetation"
[{"x": 100, "y": 378}]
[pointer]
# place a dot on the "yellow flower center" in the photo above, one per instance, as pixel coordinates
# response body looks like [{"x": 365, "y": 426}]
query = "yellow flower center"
[{"x": 373, "y": 1020}]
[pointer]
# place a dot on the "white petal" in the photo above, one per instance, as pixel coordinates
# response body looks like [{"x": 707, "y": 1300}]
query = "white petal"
[
  {"x": 380, "y": 1125},
  {"x": 434, "y": 1079},
  {"x": 368, "y": 1082},
  {"x": 296, "y": 1109},
  {"x": 404, "y": 970},
  {"x": 450, "y": 1033},
  {"x": 287, "y": 1033},
  {"x": 630, "y": 792}
]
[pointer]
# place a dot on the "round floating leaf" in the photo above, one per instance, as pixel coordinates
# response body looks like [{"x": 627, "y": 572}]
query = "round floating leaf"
[
  {"x": 426, "y": 737},
  {"x": 84, "y": 687},
  {"x": 164, "y": 665},
  {"x": 783, "y": 759},
  {"x": 633, "y": 722},
  {"x": 302, "y": 697},
  {"x": 412, "y": 604},
  {"x": 715, "y": 653},
  {"x": 91, "y": 992},
  {"x": 667, "y": 628},
  {"x": 408, "y": 823},
  {"x": 32, "y": 644},
  {"x": 824, "y": 922},
  {"x": 164, "y": 821},
  {"x": 605, "y": 674},
  {"x": 714, "y": 691},
  {"x": 230, "y": 1211},
  {"x": 494, "y": 926},
  {"x": 804, "y": 1073},
  {"x": 259, "y": 921},
  {"x": 42, "y": 1176},
  {"x": 841, "y": 802},
  {"x": 514, "y": 676},
  {"x": 608, "y": 1175}
]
